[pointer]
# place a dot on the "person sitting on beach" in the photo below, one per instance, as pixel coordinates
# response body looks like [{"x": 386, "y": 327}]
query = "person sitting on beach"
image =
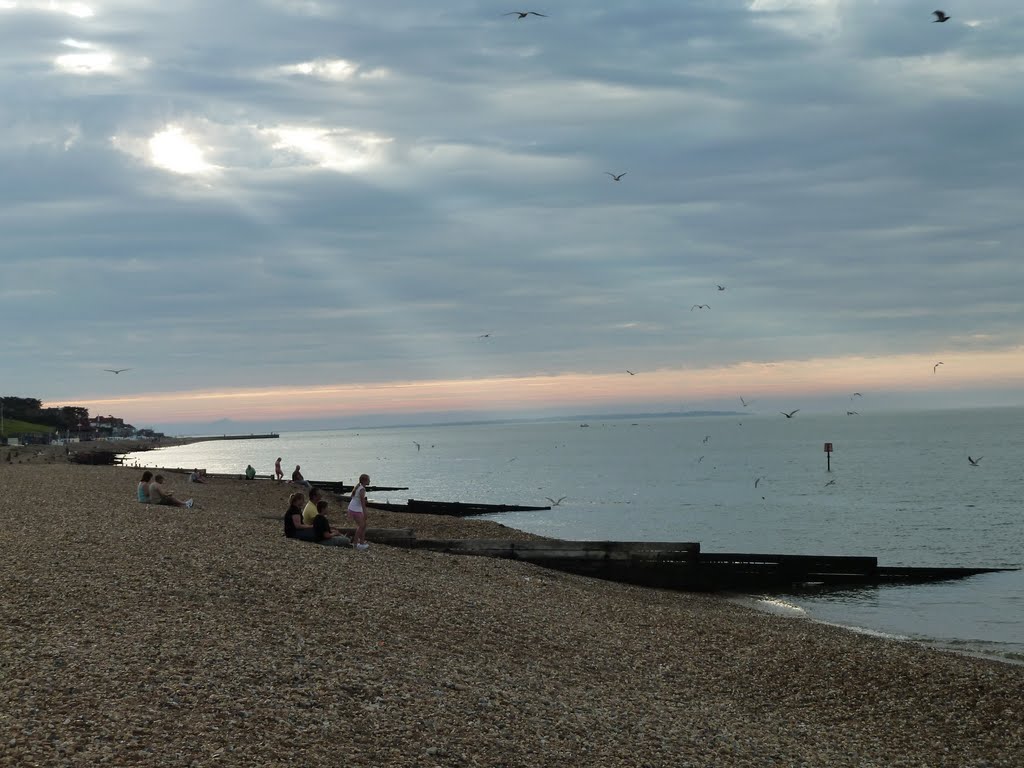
[
  {"x": 195, "y": 477},
  {"x": 143, "y": 490},
  {"x": 250, "y": 472},
  {"x": 357, "y": 506},
  {"x": 298, "y": 479},
  {"x": 278, "y": 472},
  {"x": 159, "y": 495},
  {"x": 309, "y": 511},
  {"x": 322, "y": 533},
  {"x": 294, "y": 528}
]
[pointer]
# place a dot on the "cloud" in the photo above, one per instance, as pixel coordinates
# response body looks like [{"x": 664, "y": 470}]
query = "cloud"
[{"x": 332, "y": 194}]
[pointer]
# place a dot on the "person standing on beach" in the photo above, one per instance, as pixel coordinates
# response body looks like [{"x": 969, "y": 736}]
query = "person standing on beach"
[
  {"x": 143, "y": 490},
  {"x": 357, "y": 511},
  {"x": 158, "y": 495},
  {"x": 294, "y": 528},
  {"x": 278, "y": 472},
  {"x": 322, "y": 533},
  {"x": 309, "y": 512}
]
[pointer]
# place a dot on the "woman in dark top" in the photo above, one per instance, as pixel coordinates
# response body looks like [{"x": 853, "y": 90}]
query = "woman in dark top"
[{"x": 294, "y": 528}]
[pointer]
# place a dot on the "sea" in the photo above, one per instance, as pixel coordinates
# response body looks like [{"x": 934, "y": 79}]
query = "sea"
[{"x": 896, "y": 485}]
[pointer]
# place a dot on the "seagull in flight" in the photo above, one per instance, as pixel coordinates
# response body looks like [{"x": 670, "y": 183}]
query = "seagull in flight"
[
  {"x": 790, "y": 414},
  {"x": 745, "y": 403},
  {"x": 630, "y": 372},
  {"x": 856, "y": 394},
  {"x": 700, "y": 306},
  {"x": 936, "y": 366},
  {"x": 758, "y": 480},
  {"x": 940, "y": 17},
  {"x": 556, "y": 503},
  {"x": 484, "y": 336},
  {"x": 852, "y": 413},
  {"x": 616, "y": 177},
  {"x": 524, "y": 14},
  {"x": 706, "y": 438},
  {"x": 416, "y": 444},
  {"x": 116, "y": 370},
  {"x": 975, "y": 462},
  {"x": 830, "y": 482},
  {"x": 721, "y": 287}
]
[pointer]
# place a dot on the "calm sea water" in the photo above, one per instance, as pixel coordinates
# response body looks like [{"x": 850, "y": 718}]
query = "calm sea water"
[{"x": 900, "y": 488}]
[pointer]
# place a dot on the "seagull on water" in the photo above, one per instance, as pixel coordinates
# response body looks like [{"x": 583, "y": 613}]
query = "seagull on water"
[
  {"x": 616, "y": 177},
  {"x": 975, "y": 462},
  {"x": 116, "y": 370},
  {"x": 940, "y": 17},
  {"x": 556, "y": 503},
  {"x": 790, "y": 414},
  {"x": 524, "y": 14}
]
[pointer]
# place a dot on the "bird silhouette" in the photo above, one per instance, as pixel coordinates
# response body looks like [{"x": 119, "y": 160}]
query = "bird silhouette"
[
  {"x": 758, "y": 480},
  {"x": 116, "y": 370},
  {"x": 616, "y": 177},
  {"x": 830, "y": 482},
  {"x": 790, "y": 414},
  {"x": 721, "y": 287},
  {"x": 856, "y": 394},
  {"x": 556, "y": 503},
  {"x": 975, "y": 462},
  {"x": 416, "y": 444},
  {"x": 745, "y": 403},
  {"x": 940, "y": 16},
  {"x": 936, "y": 366},
  {"x": 484, "y": 336},
  {"x": 700, "y": 306},
  {"x": 630, "y": 372},
  {"x": 706, "y": 438},
  {"x": 852, "y": 413},
  {"x": 524, "y": 14}
]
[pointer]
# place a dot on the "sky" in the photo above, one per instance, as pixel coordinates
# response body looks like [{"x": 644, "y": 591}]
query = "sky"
[{"x": 285, "y": 212}]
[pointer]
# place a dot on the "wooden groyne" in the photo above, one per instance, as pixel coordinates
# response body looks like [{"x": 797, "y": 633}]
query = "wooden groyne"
[
  {"x": 449, "y": 508},
  {"x": 332, "y": 486},
  {"x": 263, "y": 436},
  {"x": 682, "y": 565}
]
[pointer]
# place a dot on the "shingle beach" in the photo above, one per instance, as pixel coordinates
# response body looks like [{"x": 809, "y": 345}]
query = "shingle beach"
[{"x": 134, "y": 635}]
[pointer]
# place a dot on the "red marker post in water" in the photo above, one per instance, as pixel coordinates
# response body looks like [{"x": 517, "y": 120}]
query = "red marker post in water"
[{"x": 828, "y": 455}]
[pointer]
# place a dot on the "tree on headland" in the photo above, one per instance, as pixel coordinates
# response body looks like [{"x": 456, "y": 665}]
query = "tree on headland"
[{"x": 67, "y": 418}]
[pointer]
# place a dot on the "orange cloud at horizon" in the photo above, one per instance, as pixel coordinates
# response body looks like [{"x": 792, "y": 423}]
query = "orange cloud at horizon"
[{"x": 788, "y": 378}]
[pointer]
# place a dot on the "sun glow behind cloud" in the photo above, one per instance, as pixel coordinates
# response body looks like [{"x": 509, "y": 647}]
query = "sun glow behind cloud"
[
  {"x": 78, "y": 10},
  {"x": 173, "y": 150},
  {"x": 334, "y": 149}
]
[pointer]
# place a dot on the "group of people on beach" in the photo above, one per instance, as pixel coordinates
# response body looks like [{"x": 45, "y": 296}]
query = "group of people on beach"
[
  {"x": 309, "y": 522},
  {"x": 151, "y": 490}
]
